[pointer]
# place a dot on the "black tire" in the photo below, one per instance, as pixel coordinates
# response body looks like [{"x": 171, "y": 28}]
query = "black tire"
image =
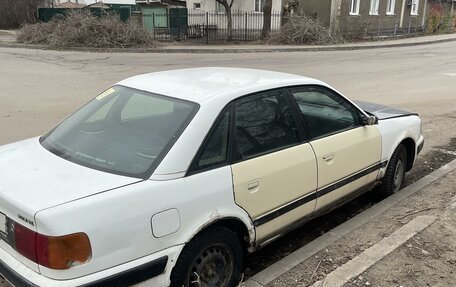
[
  {"x": 212, "y": 259},
  {"x": 395, "y": 172}
]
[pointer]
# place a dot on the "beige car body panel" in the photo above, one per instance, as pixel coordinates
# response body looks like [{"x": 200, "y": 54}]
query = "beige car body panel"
[
  {"x": 343, "y": 155},
  {"x": 266, "y": 183}
]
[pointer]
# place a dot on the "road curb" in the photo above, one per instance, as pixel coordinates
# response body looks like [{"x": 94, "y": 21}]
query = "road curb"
[
  {"x": 279, "y": 268},
  {"x": 372, "y": 255},
  {"x": 306, "y": 49},
  {"x": 240, "y": 49}
]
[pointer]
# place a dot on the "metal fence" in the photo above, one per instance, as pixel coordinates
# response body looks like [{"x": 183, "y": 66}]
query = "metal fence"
[
  {"x": 381, "y": 27},
  {"x": 207, "y": 27},
  {"x": 198, "y": 27}
]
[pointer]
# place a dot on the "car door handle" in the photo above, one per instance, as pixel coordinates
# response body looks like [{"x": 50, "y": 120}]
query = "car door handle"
[
  {"x": 328, "y": 157},
  {"x": 253, "y": 186}
]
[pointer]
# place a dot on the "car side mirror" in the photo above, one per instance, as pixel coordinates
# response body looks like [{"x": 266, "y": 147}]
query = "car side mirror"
[{"x": 369, "y": 120}]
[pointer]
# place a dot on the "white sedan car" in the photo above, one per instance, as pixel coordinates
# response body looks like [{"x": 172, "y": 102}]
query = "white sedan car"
[{"x": 170, "y": 178}]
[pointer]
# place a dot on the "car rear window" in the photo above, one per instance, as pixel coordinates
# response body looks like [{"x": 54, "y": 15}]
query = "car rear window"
[{"x": 122, "y": 131}]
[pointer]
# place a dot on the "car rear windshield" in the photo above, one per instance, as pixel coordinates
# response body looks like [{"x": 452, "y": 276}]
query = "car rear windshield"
[{"x": 122, "y": 131}]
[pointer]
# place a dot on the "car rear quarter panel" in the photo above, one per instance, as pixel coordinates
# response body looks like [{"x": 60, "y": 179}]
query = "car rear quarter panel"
[{"x": 118, "y": 222}]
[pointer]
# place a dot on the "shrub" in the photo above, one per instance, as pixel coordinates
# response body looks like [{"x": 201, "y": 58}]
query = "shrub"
[
  {"x": 303, "y": 30},
  {"x": 82, "y": 29},
  {"x": 434, "y": 21},
  {"x": 354, "y": 29}
]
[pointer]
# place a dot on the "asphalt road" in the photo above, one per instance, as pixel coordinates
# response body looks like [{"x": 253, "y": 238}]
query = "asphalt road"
[{"x": 39, "y": 88}]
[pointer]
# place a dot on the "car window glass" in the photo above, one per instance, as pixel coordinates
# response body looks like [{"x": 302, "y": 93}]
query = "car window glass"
[
  {"x": 215, "y": 149},
  {"x": 102, "y": 112},
  {"x": 324, "y": 111},
  {"x": 264, "y": 123},
  {"x": 122, "y": 131},
  {"x": 140, "y": 105}
]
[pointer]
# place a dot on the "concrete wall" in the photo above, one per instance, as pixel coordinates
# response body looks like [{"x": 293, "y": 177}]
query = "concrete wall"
[
  {"x": 317, "y": 9},
  {"x": 336, "y": 14}
]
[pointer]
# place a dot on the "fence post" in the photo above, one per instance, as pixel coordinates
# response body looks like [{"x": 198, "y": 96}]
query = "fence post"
[
  {"x": 168, "y": 35},
  {"x": 410, "y": 25},
  {"x": 153, "y": 23},
  {"x": 207, "y": 28},
  {"x": 245, "y": 31},
  {"x": 178, "y": 25},
  {"x": 395, "y": 28}
]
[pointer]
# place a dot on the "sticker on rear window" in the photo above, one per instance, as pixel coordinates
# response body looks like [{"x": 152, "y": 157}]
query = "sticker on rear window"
[{"x": 105, "y": 93}]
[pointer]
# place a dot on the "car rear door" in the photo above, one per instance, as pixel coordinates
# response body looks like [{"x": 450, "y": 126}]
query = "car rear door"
[
  {"x": 274, "y": 170},
  {"x": 348, "y": 152}
]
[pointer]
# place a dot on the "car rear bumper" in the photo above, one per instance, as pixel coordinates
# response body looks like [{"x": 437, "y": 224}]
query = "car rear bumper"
[{"x": 154, "y": 269}]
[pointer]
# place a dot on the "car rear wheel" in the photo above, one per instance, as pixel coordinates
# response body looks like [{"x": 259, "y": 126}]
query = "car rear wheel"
[
  {"x": 395, "y": 172},
  {"x": 211, "y": 259}
]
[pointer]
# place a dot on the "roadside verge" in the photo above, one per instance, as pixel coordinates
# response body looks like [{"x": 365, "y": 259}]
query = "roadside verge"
[{"x": 258, "y": 48}]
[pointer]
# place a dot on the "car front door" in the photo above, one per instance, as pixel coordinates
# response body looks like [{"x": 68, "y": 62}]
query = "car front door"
[
  {"x": 348, "y": 152},
  {"x": 274, "y": 170}
]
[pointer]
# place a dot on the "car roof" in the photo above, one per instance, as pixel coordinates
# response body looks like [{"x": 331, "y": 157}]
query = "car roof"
[{"x": 204, "y": 84}]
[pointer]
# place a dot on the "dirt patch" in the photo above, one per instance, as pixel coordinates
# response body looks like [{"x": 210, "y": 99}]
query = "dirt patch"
[
  {"x": 428, "y": 259},
  {"x": 425, "y": 164},
  {"x": 305, "y": 234}
]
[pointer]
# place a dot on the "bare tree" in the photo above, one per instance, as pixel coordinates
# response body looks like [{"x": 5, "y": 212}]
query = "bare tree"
[
  {"x": 227, "y": 4},
  {"x": 267, "y": 14},
  {"x": 14, "y": 13}
]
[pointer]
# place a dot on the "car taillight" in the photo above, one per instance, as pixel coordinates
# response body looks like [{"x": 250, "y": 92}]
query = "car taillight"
[
  {"x": 63, "y": 252},
  {"x": 54, "y": 252},
  {"x": 24, "y": 241}
]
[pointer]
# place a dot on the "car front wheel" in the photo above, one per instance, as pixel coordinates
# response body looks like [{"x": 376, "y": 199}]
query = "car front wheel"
[
  {"x": 212, "y": 259},
  {"x": 395, "y": 172}
]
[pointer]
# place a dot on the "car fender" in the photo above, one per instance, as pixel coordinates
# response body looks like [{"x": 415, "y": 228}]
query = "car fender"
[
  {"x": 394, "y": 131},
  {"x": 225, "y": 208}
]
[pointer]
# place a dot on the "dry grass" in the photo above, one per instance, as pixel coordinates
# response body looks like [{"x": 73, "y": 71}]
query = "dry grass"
[
  {"x": 82, "y": 29},
  {"x": 303, "y": 30}
]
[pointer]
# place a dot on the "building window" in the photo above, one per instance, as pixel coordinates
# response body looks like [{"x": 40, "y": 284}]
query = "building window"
[
  {"x": 196, "y": 5},
  {"x": 390, "y": 7},
  {"x": 354, "y": 7},
  {"x": 374, "y": 7},
  {"x": 259, "y": 5},
  {"x": 415, "y": 5}
]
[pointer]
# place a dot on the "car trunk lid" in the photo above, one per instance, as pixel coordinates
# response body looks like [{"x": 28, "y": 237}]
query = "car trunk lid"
[{"x": 34, "y": 179}]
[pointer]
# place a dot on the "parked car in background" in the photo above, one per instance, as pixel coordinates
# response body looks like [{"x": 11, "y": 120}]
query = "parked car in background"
[{"x": 172, "y": 177}]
